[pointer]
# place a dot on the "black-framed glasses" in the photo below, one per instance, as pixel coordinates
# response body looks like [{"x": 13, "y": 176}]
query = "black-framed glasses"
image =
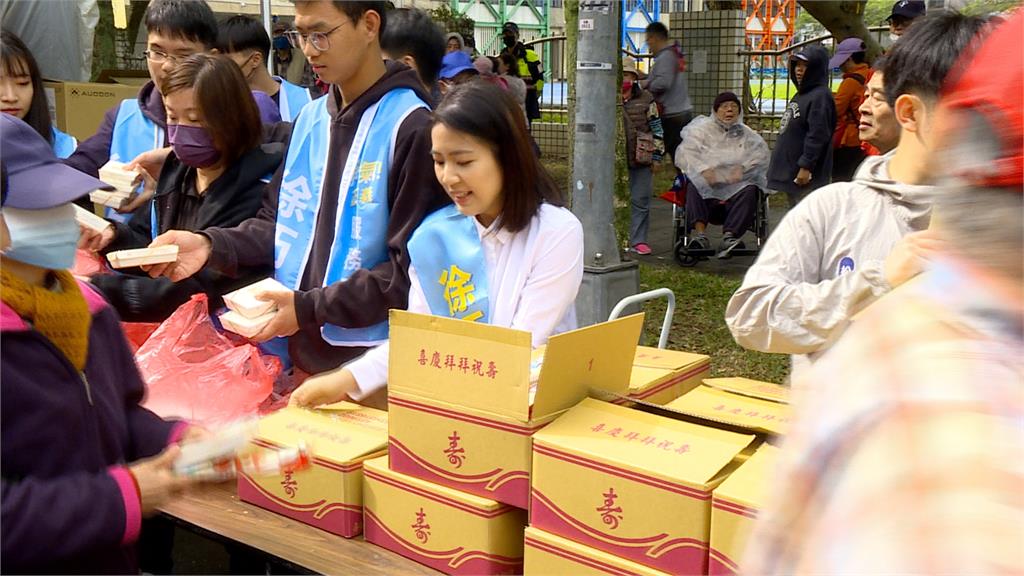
[
  {"x": 158, "y": 57},
  {"x": 319, "y": 40}
]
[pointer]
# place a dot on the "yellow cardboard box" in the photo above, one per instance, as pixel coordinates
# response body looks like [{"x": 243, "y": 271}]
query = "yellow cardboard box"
[
  {"x": 660, "y": 376},
  {"x": 78, "y": 107},
  {"x": 734, "y": 507},
  {"x": 447, "y": 530},
  {"x": 462, "y": 406},
  {"x": 329, "y": 494},
  {"x": 760, "y": 407},
  {"x": 547, "y": 554},
  {"x": 630, "y": 483}
]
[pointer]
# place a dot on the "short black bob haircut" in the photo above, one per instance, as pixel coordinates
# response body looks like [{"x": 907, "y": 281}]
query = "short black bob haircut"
[
  {"x": 486, "y": 112},
  {"x": 191, "y": 20},
  {"x": 919, "y": 62},
  {"x": 411, "y": 32},
  {"x": 242, "y": 32}
]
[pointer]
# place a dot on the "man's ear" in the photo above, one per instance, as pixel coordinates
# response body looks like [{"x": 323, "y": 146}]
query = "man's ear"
[
  {"x": 908, "y": 111},
  {"x": 213, "y": 51},
  {"x": 371, "y": 20}
]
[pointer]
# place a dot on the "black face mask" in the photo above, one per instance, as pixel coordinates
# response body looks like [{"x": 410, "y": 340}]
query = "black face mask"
[{"x": 509, "y": 41}]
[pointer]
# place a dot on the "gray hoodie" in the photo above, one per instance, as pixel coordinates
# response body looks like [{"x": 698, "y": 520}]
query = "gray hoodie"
[
  {"x": 825, "y": 262},
  {"x": 667, "y": 83}
]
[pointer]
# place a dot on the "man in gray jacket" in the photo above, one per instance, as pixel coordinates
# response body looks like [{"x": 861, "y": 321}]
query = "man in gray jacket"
[
  {"x": 667, "y": 82},
  {"x": 849, "y": 243}
]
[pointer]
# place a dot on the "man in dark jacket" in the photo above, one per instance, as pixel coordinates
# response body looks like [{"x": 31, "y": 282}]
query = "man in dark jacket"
[
  {"x": 337, "y": 216},
  {"x": 174, "y": 29},
  {"x": 802, "y": 158},
  {"x": 79, "y": 471}
]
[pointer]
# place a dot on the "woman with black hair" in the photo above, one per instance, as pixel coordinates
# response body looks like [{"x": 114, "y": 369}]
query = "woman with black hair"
[
  {"x": 507, "y": 252},
  {"x": 22, "y": 94}
]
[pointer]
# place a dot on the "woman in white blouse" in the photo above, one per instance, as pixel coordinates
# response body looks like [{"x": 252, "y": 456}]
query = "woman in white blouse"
[{"x": 507, "y": 252}]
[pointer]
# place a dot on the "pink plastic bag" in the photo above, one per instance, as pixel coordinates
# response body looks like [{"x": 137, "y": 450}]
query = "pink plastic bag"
[{"x": 196, "y": 373}]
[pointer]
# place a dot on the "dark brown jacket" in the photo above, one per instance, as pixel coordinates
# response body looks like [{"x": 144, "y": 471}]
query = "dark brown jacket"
[
  {"x": 635, "y": 116},
  {"x": 365, "y": 297}
]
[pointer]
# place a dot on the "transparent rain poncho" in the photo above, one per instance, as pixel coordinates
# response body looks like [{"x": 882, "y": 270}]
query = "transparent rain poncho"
[{"x": 731, "y": 156}]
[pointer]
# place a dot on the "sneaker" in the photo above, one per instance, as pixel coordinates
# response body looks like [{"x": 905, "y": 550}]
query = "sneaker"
[
  {"x": 699, "y": 242},
  {"x": 729, "y": 243},
  {"x": 641, "y": 248}
]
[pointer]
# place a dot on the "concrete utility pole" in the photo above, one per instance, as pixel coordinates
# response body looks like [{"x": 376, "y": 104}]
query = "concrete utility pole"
[{"x": 606, "y": 279}]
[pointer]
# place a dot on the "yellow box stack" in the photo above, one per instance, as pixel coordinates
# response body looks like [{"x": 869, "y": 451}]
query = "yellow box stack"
[
  {"x": 329, "y": 494},
  {"x": 734, "y": 508},
  {"x": 632, "y": 484}
]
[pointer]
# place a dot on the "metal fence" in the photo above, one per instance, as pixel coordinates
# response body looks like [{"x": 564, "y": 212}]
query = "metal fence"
[
  {"x": 552, "y": 130},
  {"x": 769, "y": 86}
]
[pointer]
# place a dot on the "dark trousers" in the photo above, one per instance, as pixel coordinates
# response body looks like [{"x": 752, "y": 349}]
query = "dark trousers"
[
  {"x": 673, "y": 125},
  {"x": 845, "y": 162},
  {"x": 736, "y": 215}
]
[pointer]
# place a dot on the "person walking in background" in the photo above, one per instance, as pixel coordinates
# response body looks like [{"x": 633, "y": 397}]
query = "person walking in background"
[
  {"x": 667, "y": 83},
  {"x": 802, "y": 158},
  {"x": 22, "y": 94},
  {"x": 848, "y": 154},
  {"x": 642, "y": 151},
  {"x": 528, "y": 66}
]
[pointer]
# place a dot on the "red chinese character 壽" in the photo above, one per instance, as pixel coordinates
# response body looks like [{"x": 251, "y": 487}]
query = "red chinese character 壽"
[{"x": 492, "y": 370}]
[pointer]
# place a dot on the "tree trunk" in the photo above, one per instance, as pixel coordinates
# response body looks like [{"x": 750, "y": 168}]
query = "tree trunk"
[
  {"x": 104, "y": 44},
  {"x": 844, "y": 20}
]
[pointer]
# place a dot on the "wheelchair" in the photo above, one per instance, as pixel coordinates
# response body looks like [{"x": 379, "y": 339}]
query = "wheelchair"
[{"x": 688, "y": 257}]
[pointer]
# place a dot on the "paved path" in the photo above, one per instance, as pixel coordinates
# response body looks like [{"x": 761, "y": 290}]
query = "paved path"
[{"x": 659, "y": 236}]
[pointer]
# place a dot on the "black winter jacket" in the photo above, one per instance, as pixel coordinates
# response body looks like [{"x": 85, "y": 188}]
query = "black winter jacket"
[
  {"x": 231, "y": 199},
  {"x": 805, "y": 135}
]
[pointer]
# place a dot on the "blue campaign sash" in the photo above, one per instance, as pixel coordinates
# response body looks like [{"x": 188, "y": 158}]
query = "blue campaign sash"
[
  {"x": 133, "y": 134},
  {"x": 63, "y": 144},
  {"x": 449, "y": 261},
  {"x": 291, "y": 99},
  {"x": 360, "y": 230}
]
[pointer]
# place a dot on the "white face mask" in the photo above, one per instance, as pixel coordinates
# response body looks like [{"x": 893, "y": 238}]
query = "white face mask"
[
  {"x": 893, "y": 36},
  {"x": 44, "y": 238}
]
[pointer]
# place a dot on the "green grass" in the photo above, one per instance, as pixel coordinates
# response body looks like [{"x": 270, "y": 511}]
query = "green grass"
[
  {"x": 781, "y": 89},
  {"x": 699, "y": 321}
]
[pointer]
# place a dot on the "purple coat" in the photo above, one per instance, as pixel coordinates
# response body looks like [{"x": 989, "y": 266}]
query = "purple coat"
[{"x": 69, "y": 504}]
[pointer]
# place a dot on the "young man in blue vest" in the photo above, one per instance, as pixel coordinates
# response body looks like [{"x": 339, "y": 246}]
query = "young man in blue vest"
[
  {"x": 175, "y": 29},
  {"x": 244, "y": 40},
  {"x": 357, "y": 180}
]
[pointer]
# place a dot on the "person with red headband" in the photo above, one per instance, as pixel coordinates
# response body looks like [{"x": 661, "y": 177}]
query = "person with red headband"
[{"x": 904, "y": 457}]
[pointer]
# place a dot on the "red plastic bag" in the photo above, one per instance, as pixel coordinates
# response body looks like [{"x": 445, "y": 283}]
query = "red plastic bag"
[
  {"x": 196, "y": 373},
  {"x": 88, "y": 264},
  {"x": 138, "y": 332}
]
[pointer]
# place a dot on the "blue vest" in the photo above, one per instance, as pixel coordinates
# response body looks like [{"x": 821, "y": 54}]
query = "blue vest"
[
  {"x": 133, "y": 134},
  {"x": 450, "y": 264},
  {"x": 360, "y": 228},
  {"x": 63, "y": 144},
  {"x": 291, "y": 99}
]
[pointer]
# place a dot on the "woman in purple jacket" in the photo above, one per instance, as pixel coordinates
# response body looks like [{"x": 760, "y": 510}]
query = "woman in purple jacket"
[{"x": 82, "y": 462}]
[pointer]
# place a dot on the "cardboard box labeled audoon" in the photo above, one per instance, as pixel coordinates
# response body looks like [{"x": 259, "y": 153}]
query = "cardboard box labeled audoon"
[
  {"x": 660, "y": 376},
  {"x": 79, "y": 107},
  {"x": 462, "y": 407},
  {"x": 631, "y": 483},
  {"x": 761, "y": 407},
  {"x": 328, "y": 494},
  {"x": 734, "y": 508},
  {"x": 547, "y": 554},
  {"x": 447, "y": 530}
]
